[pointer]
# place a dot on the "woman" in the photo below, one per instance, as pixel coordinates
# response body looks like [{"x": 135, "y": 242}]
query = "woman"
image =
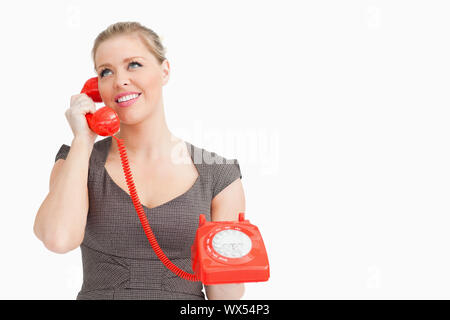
[{"x": 88, "y": 204}]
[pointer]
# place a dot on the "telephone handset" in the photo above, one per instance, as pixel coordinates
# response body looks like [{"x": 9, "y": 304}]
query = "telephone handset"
[
  {"x": 222, "y": 252},
  {"x": 105, "y": 121}
]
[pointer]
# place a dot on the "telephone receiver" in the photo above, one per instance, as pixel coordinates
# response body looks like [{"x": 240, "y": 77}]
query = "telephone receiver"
[
  {"x": 222, "y": 252},
  {"x": 105, "y": 121}
]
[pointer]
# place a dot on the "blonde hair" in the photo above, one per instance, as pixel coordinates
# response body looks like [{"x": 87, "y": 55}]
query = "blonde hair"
[{"x": 150, "y": 39}]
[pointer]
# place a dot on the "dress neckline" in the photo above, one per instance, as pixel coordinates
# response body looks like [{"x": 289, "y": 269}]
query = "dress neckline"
[{"x": 108, "y": 142}]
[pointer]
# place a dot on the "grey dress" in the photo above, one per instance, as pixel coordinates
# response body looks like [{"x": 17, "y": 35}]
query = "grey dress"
[{"x": 118, "y": 261}]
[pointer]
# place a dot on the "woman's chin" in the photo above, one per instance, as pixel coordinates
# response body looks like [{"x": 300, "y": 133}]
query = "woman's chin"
[{"x": 130, "y": 120}]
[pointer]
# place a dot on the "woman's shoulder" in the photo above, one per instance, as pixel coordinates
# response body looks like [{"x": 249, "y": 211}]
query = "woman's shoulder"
[
  {"x": 98, "y": 154},
  {"x": 209, "y": 158},
  {"x": 220, "y": 170}
]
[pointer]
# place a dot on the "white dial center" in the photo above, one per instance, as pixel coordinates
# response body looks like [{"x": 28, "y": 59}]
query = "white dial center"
[{"x": 232, "y": 243}]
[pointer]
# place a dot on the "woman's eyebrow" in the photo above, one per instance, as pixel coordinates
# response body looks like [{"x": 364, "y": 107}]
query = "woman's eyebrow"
[{"x": 124, "y": 60}]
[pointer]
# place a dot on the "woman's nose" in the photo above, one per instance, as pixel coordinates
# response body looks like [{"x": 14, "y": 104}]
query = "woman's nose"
[{"x": 122, "y": 80}]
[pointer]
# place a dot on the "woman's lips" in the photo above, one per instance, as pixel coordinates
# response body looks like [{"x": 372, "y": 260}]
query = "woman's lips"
[{"x": 129, "y": 102}]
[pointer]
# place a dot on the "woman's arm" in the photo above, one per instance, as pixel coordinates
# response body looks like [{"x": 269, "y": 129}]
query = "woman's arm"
[
  {"x": 226, "y": 207},
  {"x": 61, "y": 218}
]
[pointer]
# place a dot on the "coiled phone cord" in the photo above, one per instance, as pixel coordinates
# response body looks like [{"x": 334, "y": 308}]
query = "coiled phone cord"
[{"x": 140, "y": 211}]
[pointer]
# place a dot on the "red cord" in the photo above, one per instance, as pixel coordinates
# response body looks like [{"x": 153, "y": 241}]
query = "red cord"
[{"x": 148, "y": 231}]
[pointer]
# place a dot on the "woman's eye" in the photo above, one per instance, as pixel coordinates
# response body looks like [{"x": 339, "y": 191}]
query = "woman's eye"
[
  {"x": 102, "y": 73},
  {"x": 132, "y": 62}
]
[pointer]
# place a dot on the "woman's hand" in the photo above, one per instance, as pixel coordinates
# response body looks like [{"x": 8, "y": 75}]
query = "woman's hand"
[{"x": 80, "y": 104}]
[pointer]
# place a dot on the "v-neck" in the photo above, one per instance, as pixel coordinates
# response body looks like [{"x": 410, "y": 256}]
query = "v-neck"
[{"x": 107, "y": 148}]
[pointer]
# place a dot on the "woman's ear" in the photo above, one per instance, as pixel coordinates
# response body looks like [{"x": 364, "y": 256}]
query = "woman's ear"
[{"x": 165, "y": 68}]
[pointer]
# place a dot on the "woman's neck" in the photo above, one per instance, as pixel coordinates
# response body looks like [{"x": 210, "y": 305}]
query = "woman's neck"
[{"x": 147, "y": 141}]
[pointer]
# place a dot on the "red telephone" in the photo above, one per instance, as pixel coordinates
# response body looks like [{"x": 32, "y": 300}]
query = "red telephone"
[{"x": 222, "y": 252}]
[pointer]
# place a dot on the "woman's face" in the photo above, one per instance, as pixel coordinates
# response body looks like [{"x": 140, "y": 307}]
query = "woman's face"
[{"x": 124, "y": 64}]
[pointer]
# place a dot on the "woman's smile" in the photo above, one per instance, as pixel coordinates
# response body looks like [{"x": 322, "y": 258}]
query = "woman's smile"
[{"x": 128, "y": 100}]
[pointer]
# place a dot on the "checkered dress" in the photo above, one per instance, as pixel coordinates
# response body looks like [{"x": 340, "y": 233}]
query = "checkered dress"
[{"x": 118, "y": 261}]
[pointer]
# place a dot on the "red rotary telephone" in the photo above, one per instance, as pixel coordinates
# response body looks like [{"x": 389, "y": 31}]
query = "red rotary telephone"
[{"x": 222, "y": 252}]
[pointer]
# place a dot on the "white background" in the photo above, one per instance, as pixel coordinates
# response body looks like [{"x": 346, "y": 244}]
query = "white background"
[{"x": 340, "y": 113}]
